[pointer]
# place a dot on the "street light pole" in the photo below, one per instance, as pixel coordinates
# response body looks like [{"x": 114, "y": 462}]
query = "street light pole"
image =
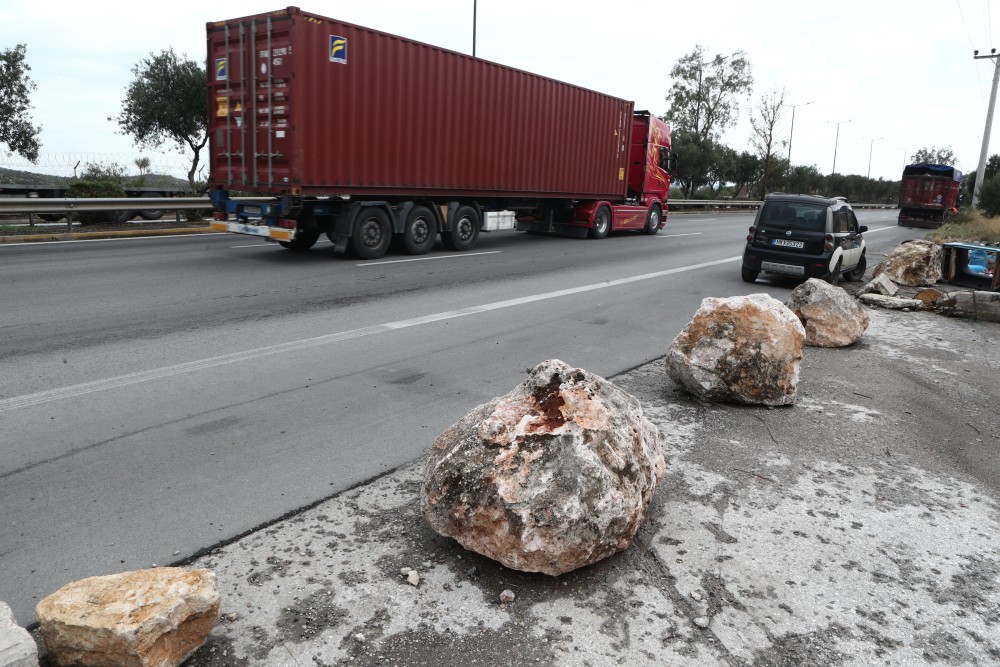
[
  {"x": 792, "y": 132},
  {"x": 981, "y": 171},
  {"x": 837, "y": 141},
  {"x": 870, "y": 148},
  {"x": 474, "y": 2}
]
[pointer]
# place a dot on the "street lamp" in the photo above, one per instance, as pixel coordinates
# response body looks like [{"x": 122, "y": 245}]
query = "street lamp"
[
  {"x": 792, "y": 132},
  {"x": 837, "y": 141},
  {"x": 870, "y": 147}
]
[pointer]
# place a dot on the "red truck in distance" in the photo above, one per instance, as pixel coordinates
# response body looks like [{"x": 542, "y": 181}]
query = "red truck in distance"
[
  {"x": 368, "y": 137},
  {"x": 928, "y": 194}
]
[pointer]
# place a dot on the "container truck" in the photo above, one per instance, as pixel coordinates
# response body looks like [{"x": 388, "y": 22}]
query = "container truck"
[
  {"x": 928, "y": 194},
  {"x": 368, "y": 137}
]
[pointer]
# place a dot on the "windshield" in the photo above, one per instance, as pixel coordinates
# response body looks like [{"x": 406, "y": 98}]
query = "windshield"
[{"x": 794, "y": 215}]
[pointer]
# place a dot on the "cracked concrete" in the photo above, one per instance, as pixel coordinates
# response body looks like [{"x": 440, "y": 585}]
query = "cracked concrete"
[{"x": 855, "y": 528}]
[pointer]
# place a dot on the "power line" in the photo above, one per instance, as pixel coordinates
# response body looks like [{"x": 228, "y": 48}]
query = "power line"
[{"x": 982, "y": 93}]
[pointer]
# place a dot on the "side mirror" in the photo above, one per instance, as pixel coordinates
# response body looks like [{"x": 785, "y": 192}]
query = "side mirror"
[{"x": 863, "y": 229}]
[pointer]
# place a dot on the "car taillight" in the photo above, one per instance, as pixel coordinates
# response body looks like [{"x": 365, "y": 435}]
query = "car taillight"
[
  {"x": 828, "y": 246},
  {"x": 750, "y": 235},
  {"x": 220, "y": 216}
]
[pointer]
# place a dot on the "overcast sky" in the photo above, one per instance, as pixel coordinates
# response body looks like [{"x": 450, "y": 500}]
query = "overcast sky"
[{"x": 901, "y": 72}]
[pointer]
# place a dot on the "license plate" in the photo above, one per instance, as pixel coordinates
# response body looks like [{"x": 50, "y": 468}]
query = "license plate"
[{"x": 788, "y": 243}]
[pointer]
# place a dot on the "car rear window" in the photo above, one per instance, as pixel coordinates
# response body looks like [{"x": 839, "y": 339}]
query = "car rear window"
[{"x": 794, "y": 215}]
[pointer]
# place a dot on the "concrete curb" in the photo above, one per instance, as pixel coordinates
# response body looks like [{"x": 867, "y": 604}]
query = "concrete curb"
[{"x": 79, "y": 236}]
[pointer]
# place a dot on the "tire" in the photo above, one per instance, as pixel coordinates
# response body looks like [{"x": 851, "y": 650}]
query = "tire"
[
  {"x": 835, "y": 275},
  {"x": 858, "y": 272},
  {"x": 419, "y": 231},
  {"x": 653, "y": 218},
  {"x": 372, "y": 233},
  {"x": 302, "y": 241},
  {"x": 750, "y": 275},
  {"x": 602, "y": 223},
  {"x": 464, "y": 229}
]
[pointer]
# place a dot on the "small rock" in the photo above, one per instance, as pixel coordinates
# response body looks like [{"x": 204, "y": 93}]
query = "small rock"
[
  {"x": 359, "y": 638},
  {"x": 473, "y": 572},
  {"x": 413, "y": 578},
  {"x": 695, "y": 595},
  {"x": 701, "y": 621},
  {"x": 404, "y": 571},
  {"x": 507, "y": 595},
  {"x": 17, "y": 648}
]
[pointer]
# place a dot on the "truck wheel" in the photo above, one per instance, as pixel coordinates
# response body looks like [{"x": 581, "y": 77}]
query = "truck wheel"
[
  {"x": 151, "y": 215},
  {"x": 653, "y": 220},
  {"x": 419, "y": 231},
  {"x": 464, "y": 229},
  {"x": 302, "y": 241},
  {"x": 372, "y": 234},
  {"x": 602, "y": 223}
]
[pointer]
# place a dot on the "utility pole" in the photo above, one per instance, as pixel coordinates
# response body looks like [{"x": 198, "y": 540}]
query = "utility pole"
[
  {"x": 837, "y": 141},
  {"x": 870, "y": 148},
  {"x": 792, "y": 133},
  {"x": 981, "y": 171},
  {"x": 474, "y": 2}
]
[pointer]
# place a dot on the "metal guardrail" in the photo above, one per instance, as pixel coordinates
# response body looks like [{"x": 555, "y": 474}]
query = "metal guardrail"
[
  {"x": 672, "y": 204},
  {"x": 73, "y": 205}
]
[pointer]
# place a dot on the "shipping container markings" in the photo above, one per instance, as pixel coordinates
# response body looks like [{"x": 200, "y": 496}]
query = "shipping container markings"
[{"x": 84, "y": 388}]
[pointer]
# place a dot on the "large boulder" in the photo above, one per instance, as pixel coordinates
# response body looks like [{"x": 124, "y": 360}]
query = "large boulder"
[
  {"x": 146, "y": 618},
  {"x": 553, "y": 476},
  {"x": 17, "y": 648},
  {"x": 916, "y": 262},
  {"x": 745, "y": 349},
  {"x": 831, "y": 316}
]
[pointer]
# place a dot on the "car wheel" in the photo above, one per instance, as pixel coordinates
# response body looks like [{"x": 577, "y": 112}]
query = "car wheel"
[
  {"x": 834, "y": 277},
  {"x": 602, "y": 223},
  {"x": 750, "y": 275},
  {"x": 858, "y": 272}
]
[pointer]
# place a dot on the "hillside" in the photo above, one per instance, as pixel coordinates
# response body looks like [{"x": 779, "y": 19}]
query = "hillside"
[{"x": 13, "y": 176}]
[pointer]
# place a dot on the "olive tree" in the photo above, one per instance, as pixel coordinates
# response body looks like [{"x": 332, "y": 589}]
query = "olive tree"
[
  {"x": 16, "y": 129},
  {"x": 165, "y": 103},
  {"x": 763, "y": 120},
  {"x": 934, "y": 155},
  {"x": 704, "y": 96}
]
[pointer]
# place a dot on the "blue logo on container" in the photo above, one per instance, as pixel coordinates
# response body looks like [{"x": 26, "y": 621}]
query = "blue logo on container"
[
  {"x": 221, "y": 69},
  {"x": 338, "y": 49}
]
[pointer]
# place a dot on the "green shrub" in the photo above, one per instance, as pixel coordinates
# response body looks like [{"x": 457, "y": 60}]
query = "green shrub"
[
  {"x": 989, "y": 197},
  {"x": 97, "y": 188}
]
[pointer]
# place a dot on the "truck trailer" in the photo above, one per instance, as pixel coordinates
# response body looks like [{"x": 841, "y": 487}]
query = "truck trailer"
[
  {"x": 368, "y": 137},
  {"x": 928, "y": 194}
]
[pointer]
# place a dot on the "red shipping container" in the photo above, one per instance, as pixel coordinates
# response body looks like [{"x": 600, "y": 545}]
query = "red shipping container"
[{"x": 306, "y": 105}]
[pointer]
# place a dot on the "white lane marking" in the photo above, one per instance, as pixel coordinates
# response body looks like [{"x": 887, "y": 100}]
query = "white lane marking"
[
  {"x": 880, "y": 229},
  {"x": 670, "y": 236},
  {"x": 424, "y": 259},
  {"x": 27, "y": 244},
  {"x": 38, "y": 398},
  {"x": 265, "y": 244}
]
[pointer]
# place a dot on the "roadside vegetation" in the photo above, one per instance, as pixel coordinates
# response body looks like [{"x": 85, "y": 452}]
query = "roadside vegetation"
[{"x": 968, "y": 226}]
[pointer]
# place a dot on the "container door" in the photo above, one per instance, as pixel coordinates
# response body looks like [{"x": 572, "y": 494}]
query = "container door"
[{"x": 249, "y": 104}]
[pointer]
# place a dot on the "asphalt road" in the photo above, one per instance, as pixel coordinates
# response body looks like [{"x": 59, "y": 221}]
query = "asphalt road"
[{"x": 159, "y": 396}]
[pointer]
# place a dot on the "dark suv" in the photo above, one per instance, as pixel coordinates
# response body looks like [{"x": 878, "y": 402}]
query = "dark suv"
[{"x": 805, "y": 236}]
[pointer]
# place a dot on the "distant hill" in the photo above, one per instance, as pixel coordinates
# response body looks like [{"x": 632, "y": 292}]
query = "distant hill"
[{"x": 15, "y": 177}]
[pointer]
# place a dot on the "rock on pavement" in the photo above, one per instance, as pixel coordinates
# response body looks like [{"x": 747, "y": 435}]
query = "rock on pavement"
[
  {"x": 916, "y": 262},
  {"x": 745, "y": 349},
  {"x": 831, "y": 316},
  {"x": 145, "y": 618},
  {"x": 17, "y": 648},
  {"x": 555, "y": 475}
]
